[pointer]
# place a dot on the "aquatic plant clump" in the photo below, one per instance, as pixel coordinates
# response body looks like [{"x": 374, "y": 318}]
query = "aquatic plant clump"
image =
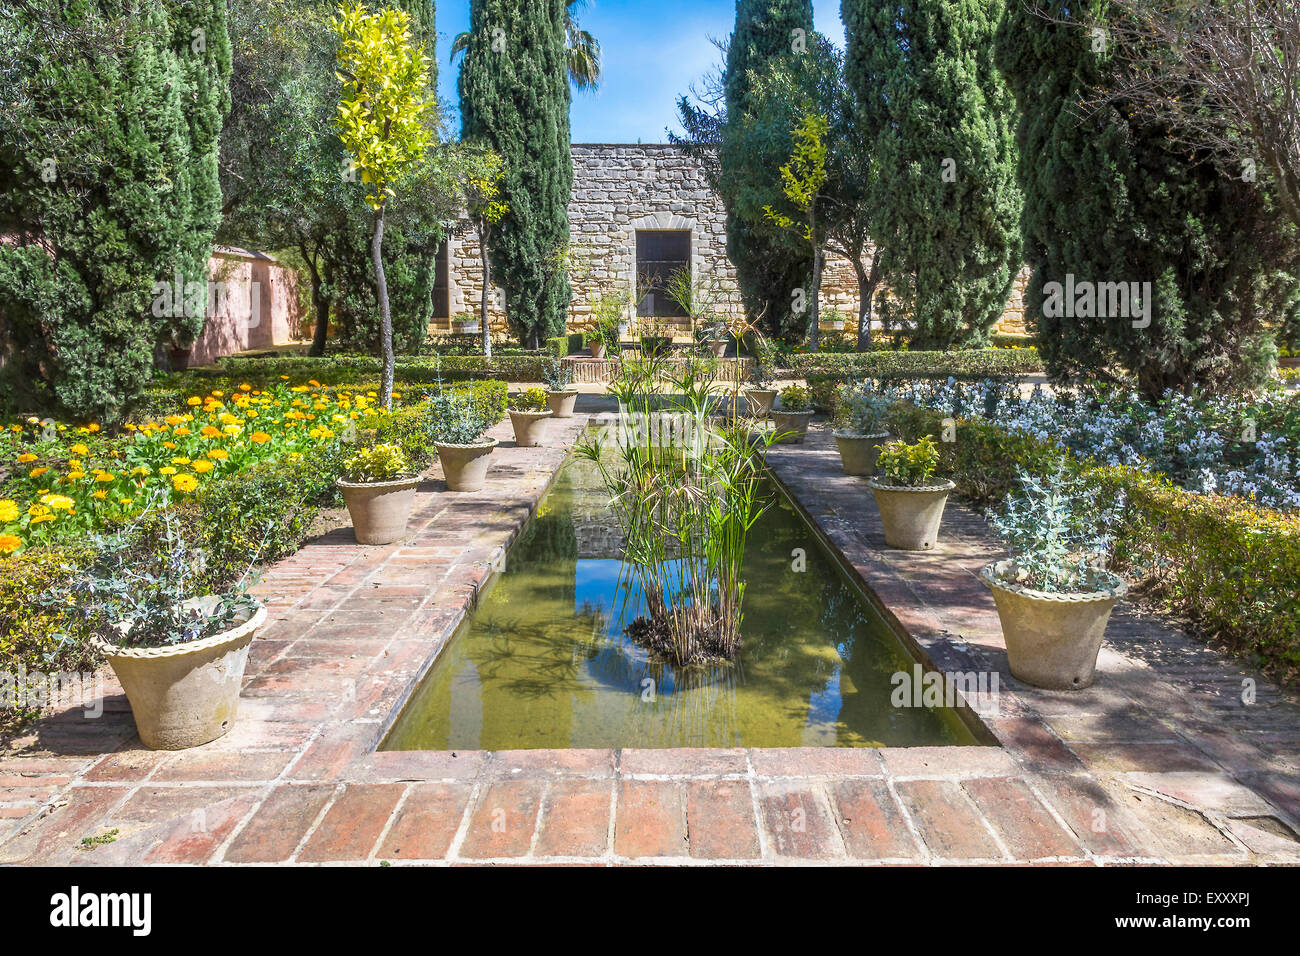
[{"x": 684, "y": 488}]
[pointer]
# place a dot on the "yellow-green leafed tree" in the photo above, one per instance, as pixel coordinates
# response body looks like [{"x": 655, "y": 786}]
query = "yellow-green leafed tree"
[
  {"x": 385, "y": 121},
  {"x": 803, "y": 178}
]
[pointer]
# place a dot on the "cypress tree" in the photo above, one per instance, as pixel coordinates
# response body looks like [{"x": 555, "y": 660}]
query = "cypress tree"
[
  {"x": 940, "y": 118},
  {"x": 108, "y": 184},
  {"x": 1109, "y": 199},
  {"x": 769, "y": 266},
  {"x": 514, "y": 98}
]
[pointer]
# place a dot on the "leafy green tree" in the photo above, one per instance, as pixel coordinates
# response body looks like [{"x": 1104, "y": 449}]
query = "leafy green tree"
[
  {"x": 383, "y": 121},
  {"x": 514, "y": 99},
  {"x": 770, "y": 267},
  {"x": 108, "y": 190},
  {"x": 1113, "y": 197},
  {"x": 940, "y": 118},
  {"x": 481, "y": 175}
]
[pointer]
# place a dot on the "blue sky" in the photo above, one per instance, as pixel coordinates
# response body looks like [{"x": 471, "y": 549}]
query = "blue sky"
[{"x": 653, "y": 51}]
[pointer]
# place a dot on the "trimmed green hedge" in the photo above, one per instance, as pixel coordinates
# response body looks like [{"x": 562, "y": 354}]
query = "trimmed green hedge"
[
  {"x": 1229, "y": 566},
  {"x": 358, "y": 369},
  {"x": 410, "y": 426},
  {"x": 961, "y": 364}
]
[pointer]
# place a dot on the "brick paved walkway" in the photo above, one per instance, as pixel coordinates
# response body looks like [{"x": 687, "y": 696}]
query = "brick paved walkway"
[{"x": 1159, "y": 762}]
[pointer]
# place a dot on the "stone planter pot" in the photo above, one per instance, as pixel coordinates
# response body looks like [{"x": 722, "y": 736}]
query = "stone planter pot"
[
  {"x": 858, "y": 453},
  {"x": 186, "y": 694},
  {"x": 530, "y": 427},
  {"x": 597, "y": 347},
  {"x": 760, "y": 401},
  {"x": 836, "y": 325},
  {"x": 1052, "y": 639},
  {"x": 464, "y": 467},
  {"x": 179, "y": 358},
  {"x": 911, "y": 516},
  {"x": 717, "y": 347},
  {"x": 379, "y": 509},
  {"x": 465, "y": 328},
  {"x": 561, "y": 403},
  {"x": 793, "y": 423}
]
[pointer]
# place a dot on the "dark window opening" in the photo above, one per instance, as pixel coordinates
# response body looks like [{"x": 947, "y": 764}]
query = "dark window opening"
[
  {"x": 441, "y": 285},
  {"x": 659, "y": 254}
]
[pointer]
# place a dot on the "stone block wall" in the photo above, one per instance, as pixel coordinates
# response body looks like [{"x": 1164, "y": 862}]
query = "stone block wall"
[{"x": 621, "y": 188}]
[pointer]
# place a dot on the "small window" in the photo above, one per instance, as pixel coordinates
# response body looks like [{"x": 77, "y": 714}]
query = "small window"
[
  {"x": 660, "y": 253},
  {"x": 441, "y": 285}
]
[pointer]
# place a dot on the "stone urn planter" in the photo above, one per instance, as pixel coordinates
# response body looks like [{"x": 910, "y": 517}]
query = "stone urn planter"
[
  {"x": 530, "y": 427},
  {"x": 760, "y": 401},
  {"x": 835, "y": 325},
  {"x": 379, "y": 509},
  {"x": 465, "y": 467},
  {"x": 465, "y": 326},
  {"x": 179, "y": 357},
  {"x": 1052, "y": 639},
  {"x": 185, "y": 695},
  {"x": 911, "y": 514},
  {"x": 561, "y": 402},
  {"x": 717, "y": 347},
  {"x": 597, "y": 347},
  {"x": 858, "y": 453},
  {"x": 793, "y": 425}
]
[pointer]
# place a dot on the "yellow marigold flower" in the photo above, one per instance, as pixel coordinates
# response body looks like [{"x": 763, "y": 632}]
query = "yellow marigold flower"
[
  {"x": 166, "y": 470},
  {"x": 227, "y": 419},
  {"x": 76, "y": 475},
  {"x": 169, "y": 445},
  {"x": 106, "y": 477},
  {"x": 10, "y": 543},
  {"x": 232, "y": 430},
  {"x": 174, "y": 420},
  {"x": 37, "y": 510},
  {"x": 141, "y": 470},
  {"x": 252, "y": 413},
  {"x": 218, "y": 454},
  {"x": 37, "y": 472},
  {"x": 300, "y": 388},
  {"x": 193, "y": 400},
  {"x": 59, "y": 502},
  {"x": 218, "y": 392},
  {"x": 185, "y": 483},
  {"x": 180, "y": 432},
  {"x": 210, "y": 432},
  {"x": 180, "y": 461},
  {"x": 126, "y": 501},
  {"x": 203, "y": 467},
  {"x": 260, "y": 438},
  {"x": 92, "y": 428},
  {"x": 80, "y": 449},
  {"x": 245, "y": 387},
  {"x": 8, "y": 511},
  {"x": 75, "y": 464},
  {"x": 26, "y": 457},
  {"x": 100, "y": 495}
]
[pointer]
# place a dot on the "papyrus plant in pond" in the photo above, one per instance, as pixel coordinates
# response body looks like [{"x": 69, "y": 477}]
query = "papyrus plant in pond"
[{"x": 684, "y": 486}]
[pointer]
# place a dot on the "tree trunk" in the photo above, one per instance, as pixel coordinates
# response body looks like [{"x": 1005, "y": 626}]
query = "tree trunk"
[
  {"x": 385, "y": 316},
  {"x": 321, "y": 304},
  {"x": 867, "y": 283},
  {"x": 484, "y": 326},
  {"x": 815, "y": 310}
]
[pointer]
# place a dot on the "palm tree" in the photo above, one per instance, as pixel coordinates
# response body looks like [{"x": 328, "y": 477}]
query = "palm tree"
[{"x": 581, "y": 49}]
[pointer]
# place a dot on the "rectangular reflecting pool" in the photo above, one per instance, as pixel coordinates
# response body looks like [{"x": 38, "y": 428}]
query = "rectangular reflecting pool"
[{"x": 543, "y": 661}]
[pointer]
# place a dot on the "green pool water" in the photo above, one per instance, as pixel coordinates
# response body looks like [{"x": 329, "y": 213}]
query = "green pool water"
[{"x": 543, "y": 661}]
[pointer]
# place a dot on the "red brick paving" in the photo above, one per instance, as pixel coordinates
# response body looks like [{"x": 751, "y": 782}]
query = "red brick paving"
[{"x": 1158, "y": 762}]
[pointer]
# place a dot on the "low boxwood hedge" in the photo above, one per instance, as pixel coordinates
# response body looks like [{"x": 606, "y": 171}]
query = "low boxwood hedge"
[
  {"x": 1229, "y": 566},
  {"x": 961, "y": 364}
]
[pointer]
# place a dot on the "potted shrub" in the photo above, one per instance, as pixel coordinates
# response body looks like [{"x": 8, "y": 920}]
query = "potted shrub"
[
  {"x": 528, "y": 415},
  {"x": 378, "y": 488},
  {"x": 910, "y": 500},
  {"x": 712, "y": 334},
  {"x": 560, "y": 397},
  {"x": 1054, "y": 595},
  {"x": 178, "y": 651},
  {"x": 760, "y": 395},
  {"x": 607, "y": 324},
  {"x": 860, "y": 432},
  {"x": 465, "y": 323},
  {"x": 833, "y": 319},
  {"x": 457, "y": 427},
  {"x": 793, "y": 415}
]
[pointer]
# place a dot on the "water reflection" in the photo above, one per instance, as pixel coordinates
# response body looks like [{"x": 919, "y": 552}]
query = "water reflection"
[{"x": 544, "y": 661}]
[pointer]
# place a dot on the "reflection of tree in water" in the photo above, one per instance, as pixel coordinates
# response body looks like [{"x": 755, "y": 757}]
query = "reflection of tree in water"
[
  {"x": 693, "y": 706},
  {"x": 532, "y": 658}
]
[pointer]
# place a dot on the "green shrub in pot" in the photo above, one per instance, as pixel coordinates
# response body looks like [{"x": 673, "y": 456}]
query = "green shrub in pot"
[
  {"x": 859, "y": 422},
  {"x": 791, "y": 417},
  {"x": 528, "y": 415},
  {"x": 908, "y": 495},
  {"x": 378, "y": 486}
]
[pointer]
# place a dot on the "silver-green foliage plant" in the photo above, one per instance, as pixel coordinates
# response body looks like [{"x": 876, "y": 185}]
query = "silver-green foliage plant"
[
  {"x": 556, "y": 375},
  {"x": 685, "y": 489},
  {"x": 1058, "y": 533},
  {"x": 455, "y": 419},
  {"x": 134, "y": 593},
  {"x": 862, "y": 410}
]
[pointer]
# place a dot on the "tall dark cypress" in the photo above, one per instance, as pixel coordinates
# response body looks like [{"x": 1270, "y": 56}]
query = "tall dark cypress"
[
  {"x": 1108, "y": 199},
  {"x": 108, "y": 184},
  {"x": 940, "y": 117},
  {"x": 514, "y": 97},
  {"x": 769, "y": 269}
]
